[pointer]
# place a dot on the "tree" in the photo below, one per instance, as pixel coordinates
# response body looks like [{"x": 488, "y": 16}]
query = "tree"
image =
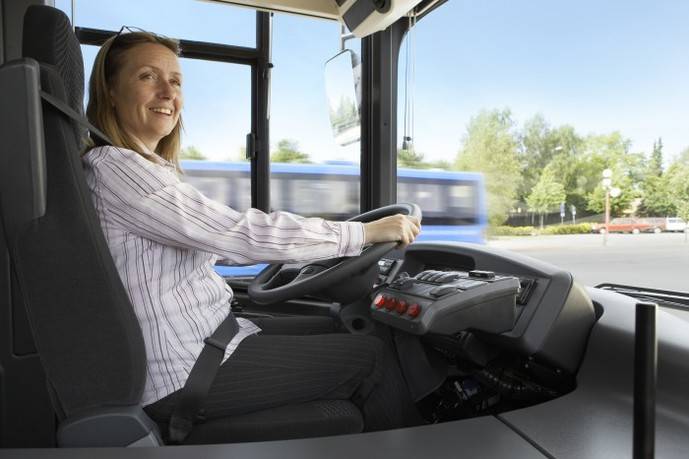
[
  {"x": 543, "y": 146},
  {"x": 611, "y": 151},
  {"x": 655, "y": 166},
  {"x": 441, "y": 164},
  {"x": 411, "y": 158},
  {"x": 191, "y": 152},
  {"x": 345, "y": 114},
  {"x": 658, "y": 198},
  {"x": 566, "y": 163},
  {"x": 678, "y": 185},
  {"x": 684, "y": 156},
  {"x": 546, "y": 194},
  {"x": 415, "y": 160},
  {"x": 490, "y": 146},
  {"x": 288, "y": 152}
]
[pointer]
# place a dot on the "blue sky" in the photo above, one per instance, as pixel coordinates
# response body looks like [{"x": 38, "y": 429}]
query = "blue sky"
[{"x": 598, "y": 66}]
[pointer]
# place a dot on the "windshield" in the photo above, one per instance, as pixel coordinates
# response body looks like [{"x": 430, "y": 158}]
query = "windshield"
[
  {"x": 571, "y": 112},
  {"x": 519, "y": 125}
]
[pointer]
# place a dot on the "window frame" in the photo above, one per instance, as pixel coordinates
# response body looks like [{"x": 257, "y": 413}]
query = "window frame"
[{"x": 259, "y": 59}]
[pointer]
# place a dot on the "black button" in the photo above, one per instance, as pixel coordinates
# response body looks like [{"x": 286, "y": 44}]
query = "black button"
[
  {"x": 436, "y": 276},
  {"x": 442, "y": 290},
  {"x": 425, "y": 275},
  {"x": 403, "y": 284},
  {"x": 482, "y": 274},
  {"x": 448, "y": 277},
  {"x": 467, "y": 284}
]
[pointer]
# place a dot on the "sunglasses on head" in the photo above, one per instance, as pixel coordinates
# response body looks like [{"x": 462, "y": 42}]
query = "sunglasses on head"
[{"x": 125, "y": 29}]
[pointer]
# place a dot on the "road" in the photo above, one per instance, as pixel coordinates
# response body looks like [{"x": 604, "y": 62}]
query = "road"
[{"x": 647, "y": 260}]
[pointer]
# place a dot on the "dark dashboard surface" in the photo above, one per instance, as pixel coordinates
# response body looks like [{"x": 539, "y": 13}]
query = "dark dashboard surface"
[
  {"x": 481, "y": 437},
  {"x": 596, "y": 420}
]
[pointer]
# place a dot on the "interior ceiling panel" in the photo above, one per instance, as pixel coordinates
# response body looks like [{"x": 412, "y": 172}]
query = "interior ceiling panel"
[{"x": 319, "y": 8}]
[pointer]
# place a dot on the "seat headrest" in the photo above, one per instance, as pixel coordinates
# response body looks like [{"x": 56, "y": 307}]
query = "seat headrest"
[{"x": 50, "y": 39}]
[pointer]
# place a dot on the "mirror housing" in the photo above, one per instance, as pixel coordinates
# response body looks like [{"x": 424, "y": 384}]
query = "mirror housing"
[{"x": 364, "y": 17}]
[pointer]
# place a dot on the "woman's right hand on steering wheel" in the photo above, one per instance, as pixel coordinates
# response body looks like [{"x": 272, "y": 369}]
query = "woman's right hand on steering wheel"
[{"x": 401, "y": 228}]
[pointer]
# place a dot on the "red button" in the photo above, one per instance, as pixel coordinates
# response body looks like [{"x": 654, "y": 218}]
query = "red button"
[
  {"x": 379, "y": 302},
  {"x": 391, "y": 304},
  {"x": 401, "y": 306},
  {"x": 414, "y": 310}
]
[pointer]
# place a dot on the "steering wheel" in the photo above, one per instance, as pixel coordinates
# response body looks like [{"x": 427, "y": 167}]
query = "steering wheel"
[{"x": 269, "y": 286}]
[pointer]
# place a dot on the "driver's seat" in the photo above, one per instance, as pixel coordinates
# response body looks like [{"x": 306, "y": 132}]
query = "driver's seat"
[{"x": 83, "y": 324}]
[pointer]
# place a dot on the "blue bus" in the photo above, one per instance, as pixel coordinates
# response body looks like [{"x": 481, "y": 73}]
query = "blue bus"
[{"x": 453, "y": 203}]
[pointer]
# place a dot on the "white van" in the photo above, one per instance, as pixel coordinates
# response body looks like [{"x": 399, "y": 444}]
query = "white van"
[{"x": 675, "y": 224}]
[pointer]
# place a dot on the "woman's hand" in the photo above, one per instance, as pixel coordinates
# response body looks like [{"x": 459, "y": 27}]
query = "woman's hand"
[{"x": 401, "y": 228}]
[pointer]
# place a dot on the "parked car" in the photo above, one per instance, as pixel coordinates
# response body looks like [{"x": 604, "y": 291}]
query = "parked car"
[
  {"x": 628, "y": 225},
  {"x": 658, "y": 224},
  {"x": 669, "y": 224}
]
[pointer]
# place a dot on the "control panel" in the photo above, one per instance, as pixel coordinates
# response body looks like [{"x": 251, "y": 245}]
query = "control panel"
[{"x": 447, "y": 302}]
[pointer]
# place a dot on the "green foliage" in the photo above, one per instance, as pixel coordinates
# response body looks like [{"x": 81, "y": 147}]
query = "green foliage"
[
  {"x": 579, "y": 228},
  {"x": 191, "y": 152},
  {"x": 678, "y": 185},
  {"x": 415, "y": 160},
  {"x": 655, "y": 166},
  {"x": 441, "y": 164},
  {"x": 546, "y": 194},
  {"x": 511, "y": 231},
  {"x": 345, "y": 114},
  {"x": 658, "y": 198},
  {"x": 526, "y": 166},
  {"x": 541, "y": 145},
  {"x": 288, "y": 152},
  {"x": 490, "y": 146},
  {"x": 411, "y": 159},
  {"x": 683, "y": 156},
  {"x": 611, "y": 151}
]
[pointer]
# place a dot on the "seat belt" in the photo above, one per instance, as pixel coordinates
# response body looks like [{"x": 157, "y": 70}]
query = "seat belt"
[
  {"x": 200, "y": 379},
  {"x": 74, "y": 116},
  {"x": 202, "y": 374}
]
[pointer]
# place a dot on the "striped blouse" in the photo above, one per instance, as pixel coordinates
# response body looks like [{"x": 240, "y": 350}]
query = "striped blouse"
[{"x": 165, "y": 237}]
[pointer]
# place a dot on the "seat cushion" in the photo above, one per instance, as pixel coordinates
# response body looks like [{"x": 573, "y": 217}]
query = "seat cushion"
[{"x": 312, "y": 419}]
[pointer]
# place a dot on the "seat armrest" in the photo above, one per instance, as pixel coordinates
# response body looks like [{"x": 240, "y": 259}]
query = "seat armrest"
[{"x": 119, "y": 426}]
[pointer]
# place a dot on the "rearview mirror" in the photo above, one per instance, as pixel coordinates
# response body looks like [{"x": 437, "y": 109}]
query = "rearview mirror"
[{"x": 342, "y": 85}]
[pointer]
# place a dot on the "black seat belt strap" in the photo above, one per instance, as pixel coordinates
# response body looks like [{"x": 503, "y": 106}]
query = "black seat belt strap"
[
  {"x": 72, "y": 114},
  {"x": 200, "y": 379}
]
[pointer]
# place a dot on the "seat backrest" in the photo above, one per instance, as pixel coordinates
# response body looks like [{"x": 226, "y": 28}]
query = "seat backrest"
[{"x": 83, "y": 324}]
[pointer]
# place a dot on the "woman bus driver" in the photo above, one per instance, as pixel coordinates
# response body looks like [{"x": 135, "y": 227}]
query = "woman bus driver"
[{"x": 165, "y": 238}]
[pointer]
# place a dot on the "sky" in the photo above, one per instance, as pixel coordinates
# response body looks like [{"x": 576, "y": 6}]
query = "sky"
[{"x": 597, "y": 66}]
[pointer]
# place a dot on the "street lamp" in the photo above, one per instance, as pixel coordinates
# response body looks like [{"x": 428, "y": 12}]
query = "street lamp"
[{"x": 610, "y": 191}]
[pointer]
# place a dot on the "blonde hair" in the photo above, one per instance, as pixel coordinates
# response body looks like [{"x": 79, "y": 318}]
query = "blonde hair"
[{"x": 100, "y": 110}]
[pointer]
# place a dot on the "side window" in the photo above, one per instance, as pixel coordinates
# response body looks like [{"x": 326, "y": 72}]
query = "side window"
[
  {"x": 217, "y": 95},
  {"x": 217, "y": 117},
  {"x": 321, "y": 177}
]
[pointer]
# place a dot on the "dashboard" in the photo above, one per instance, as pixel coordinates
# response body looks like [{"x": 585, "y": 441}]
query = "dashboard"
[{"x": 509, "y": 300}]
